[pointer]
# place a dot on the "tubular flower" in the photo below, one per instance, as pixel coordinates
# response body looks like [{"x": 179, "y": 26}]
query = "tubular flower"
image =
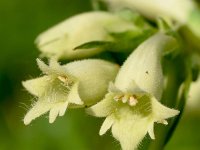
[
  {"x": 132, "y": 106},
  {"x": 71, "y": 85},
  {"x": 61, "y": 40},
  {"x": 180, "y": 9},
  {"x": 184, "y": 12}
]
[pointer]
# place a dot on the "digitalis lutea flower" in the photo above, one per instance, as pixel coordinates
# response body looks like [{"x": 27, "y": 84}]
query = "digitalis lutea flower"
[
  {"x": 178, "y": 10},
  {"x": 132, "y": 106},
  {"x": 76, "y": 84},
  {"x": 184, "y": 12},
  {"x": 60, "y": 40}
]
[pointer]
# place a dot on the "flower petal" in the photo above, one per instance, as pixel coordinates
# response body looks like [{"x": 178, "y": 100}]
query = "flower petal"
[
  {"x": 53, "y": 114},
  {"x": 130, "y": 129},
  {"x": 112, "y": 88},
  {"x": 58, "y": 109},
  {"x": 162, "y": 112},
  {"x": 132, "y": 87},
  {"x": 94, "y": 76},
  {"x": 43, "y": 67},
  {"x": 36, "y": 86},
  {"x": 144, "y": 66},
  {"x": 63, "y": 109},
  {"x": 108, "y": 122},
  {"x": 103, "y": 108},
  {"x": 54, "y": 68},
  {"x": 151, "y": 131},
  {"x": 40, "y": 108},
  {"x": 73, "y": 96}
]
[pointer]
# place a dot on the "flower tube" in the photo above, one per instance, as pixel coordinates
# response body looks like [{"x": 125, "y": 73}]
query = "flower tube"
[
  {"x": 132, "y": 106},
  {"x": 61, "y": 40},
  {"x": 185, "y": 12},
  {"x": 76, "y": 84}
]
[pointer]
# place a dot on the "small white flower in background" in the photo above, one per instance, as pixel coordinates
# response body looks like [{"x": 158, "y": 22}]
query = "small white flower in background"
[
  {"x": 60, "y": 40},
  {"x": 76, "y": 84},
  {"x": 132, "y": 106}
]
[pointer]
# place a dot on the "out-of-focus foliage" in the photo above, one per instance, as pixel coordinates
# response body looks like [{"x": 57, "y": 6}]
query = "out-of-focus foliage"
[{"x": 20, "y": 23}]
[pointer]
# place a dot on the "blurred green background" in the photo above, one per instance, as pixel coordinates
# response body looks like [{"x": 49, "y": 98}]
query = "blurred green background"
[{"x": 20, "y": 22}]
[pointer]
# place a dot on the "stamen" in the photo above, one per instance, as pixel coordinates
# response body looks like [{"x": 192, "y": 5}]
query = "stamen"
[
  {"x": 118, "y": 97},
  {"x": 132, "y": 101},
  {"x": 125, "y": 98},
  {"x": 63, "y": 79}
]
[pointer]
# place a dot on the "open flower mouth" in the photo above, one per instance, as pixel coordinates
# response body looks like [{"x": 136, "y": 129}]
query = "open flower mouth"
[
  {"x": 52, "y": 96},
  {"x": 53, "y": 93},
  {"x": 65, "y": 86},
  {"x": 127, "y": 98},
  {"x": 57, "y": 89}
]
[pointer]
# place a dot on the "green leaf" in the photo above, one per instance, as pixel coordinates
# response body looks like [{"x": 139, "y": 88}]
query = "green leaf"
[
  {"x": 94, "y": 44},
  {"x": 124, "y": 42},
  {"x": 167, "y": 27},
  {"x": 127, "y": 41},
  {"x": 125, "y": 35},
  {"x": 163, "y": 25}
]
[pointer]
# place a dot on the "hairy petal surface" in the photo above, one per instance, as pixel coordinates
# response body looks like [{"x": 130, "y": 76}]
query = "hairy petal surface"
[{"x": 72, "y": 85}]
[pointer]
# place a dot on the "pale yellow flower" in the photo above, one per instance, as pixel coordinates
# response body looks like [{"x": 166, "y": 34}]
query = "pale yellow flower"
[
  {"x": 76, "y": 84},
  {"x": 60, "y": 40},
  {"x": 132, "y": 105}
]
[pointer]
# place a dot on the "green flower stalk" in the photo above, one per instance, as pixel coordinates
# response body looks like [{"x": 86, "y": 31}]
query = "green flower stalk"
[
  {"x": 61, "y": 40},
  {"x": 185, "y": 12},
  {"x": 76, "y": 84},
  {"x": 132, "y": 106}
]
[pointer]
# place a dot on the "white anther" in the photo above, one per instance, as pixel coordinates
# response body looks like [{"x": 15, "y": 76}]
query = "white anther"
[
  {"x": 132, "y": 101},
  {"x": 116, "y": 98},
  {"x": 125, "y": 98},
  {"x": 63, "y": 79}
]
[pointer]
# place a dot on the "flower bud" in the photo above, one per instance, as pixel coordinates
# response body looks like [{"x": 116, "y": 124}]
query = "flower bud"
[
  {"x": 61, "y": 40},
  {"x": 76, "y": 84},
  {"x": 185, "y": 12},
  {"x": 178, "y": 10}
]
